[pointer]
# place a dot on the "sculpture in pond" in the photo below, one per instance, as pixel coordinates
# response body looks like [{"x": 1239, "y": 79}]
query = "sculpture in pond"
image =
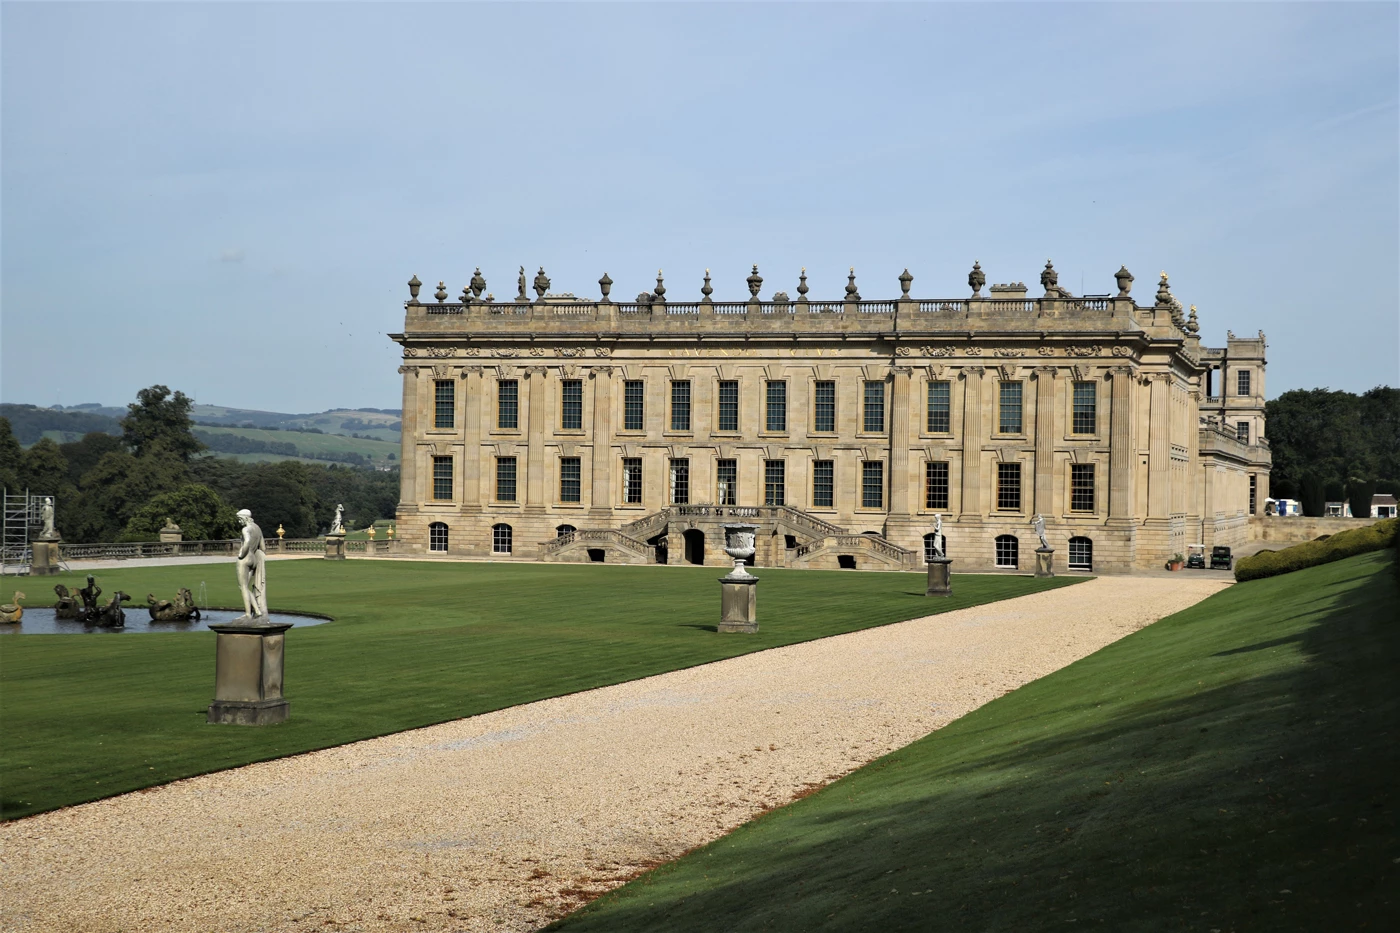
[
  {"x": 252, "y": 568},
  {"x": 182, "y": 609},
  {"x": 89, "y": 595},
  {"x": 112, "y": 615},
  {"x": 67, "y": 606},
  {"x": 12, "y": 612}
]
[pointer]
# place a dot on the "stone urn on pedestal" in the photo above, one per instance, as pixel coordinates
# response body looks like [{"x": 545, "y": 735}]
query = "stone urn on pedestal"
[{"x": 739, "y": 588}]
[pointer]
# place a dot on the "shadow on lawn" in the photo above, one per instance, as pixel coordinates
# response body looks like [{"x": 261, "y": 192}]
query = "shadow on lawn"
[{"x": 1264, "y": 801}]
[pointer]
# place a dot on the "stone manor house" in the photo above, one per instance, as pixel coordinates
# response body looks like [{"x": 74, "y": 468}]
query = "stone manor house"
[{"x": 556, "y": 428}]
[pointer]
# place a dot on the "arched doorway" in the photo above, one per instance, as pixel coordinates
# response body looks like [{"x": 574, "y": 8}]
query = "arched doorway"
[{"x": 695, "y": 546}]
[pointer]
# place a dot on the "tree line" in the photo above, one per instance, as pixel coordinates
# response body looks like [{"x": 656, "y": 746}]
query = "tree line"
[
  {"x": 109, "y": 488},
  {"x": 1333, "y": 446}
]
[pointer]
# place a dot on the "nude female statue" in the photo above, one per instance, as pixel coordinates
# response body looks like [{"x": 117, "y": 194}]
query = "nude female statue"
[{"x": 252, "y": 569}]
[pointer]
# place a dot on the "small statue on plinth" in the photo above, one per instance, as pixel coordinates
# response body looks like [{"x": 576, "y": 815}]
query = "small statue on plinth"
[
  {"x": 938, "y": 536},
  {"x": 338, "y": 523},
  {"x": 1045, "y": 554},
  {"x": 46, "y": 516},
  {"x": 252, "y": 568},
  {"x": 1039, "y": 523},
  {"x": 939, "y": 579}
]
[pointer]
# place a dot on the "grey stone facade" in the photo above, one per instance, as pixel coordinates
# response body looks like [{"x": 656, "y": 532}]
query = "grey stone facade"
[{"x": 839, "y": 427}]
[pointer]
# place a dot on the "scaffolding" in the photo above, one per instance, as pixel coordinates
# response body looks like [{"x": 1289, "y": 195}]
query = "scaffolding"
[{"x": 21, "y": 514}]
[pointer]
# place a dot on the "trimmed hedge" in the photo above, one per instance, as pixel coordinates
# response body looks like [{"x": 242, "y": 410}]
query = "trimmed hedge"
[{"x": 1382, "y": 534}]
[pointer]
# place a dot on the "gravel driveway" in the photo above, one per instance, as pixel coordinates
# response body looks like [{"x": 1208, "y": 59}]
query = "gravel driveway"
[{"x": 507, "y": 820}]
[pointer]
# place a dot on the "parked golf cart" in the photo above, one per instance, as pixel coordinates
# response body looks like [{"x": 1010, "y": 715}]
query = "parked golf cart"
[
  {"x": 1220, "y": 558},
  {"x": 1195, "y": 557}
]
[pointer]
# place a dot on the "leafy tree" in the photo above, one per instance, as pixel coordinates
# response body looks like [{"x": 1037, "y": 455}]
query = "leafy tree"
[
  {"x": 1313, "y": 495},
  {"x": 198, "y": 510},
  {"x": 44, "y": 469},
  {"x": 82, "y": 455},
  {"x": 1334, "y": 434},
  {"x": 11, "y": 457},
  {"x": 278, "y": 493},
  {"x": 118, "y": 486},
  {"x": 160, "y": 422},
  {"x": 1335, "y": 490}
]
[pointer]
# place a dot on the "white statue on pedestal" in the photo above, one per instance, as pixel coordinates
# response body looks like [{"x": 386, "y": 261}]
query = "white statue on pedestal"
[
  {"x": 46, "y": 514},
  {"x": 252, "y": 568},
  {"x": 1039, "y": 523},
  {"x": 938, "y": 536},
  {"x": 337, "y": 523}
]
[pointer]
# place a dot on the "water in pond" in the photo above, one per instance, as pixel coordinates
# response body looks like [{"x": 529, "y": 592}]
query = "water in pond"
[{"x": 40, "y": 621}]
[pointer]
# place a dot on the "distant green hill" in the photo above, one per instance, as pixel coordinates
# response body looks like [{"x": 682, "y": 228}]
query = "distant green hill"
[{"x": 266, "y": 444}]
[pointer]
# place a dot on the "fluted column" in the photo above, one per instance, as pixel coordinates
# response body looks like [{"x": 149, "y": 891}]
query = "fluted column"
[
  {"x": 471, "y": 437},
  {"x": 1120, "y": 444},
  {"x": 408, "y": 439},
  {"x": 539, "y": 406},
  {"x": 1046, "y": 400},
  {"x": 899, "y": 443},
  {"x": 972, "y": 443},
  {"x": 601, "y": 502},
  {"x": 1159, "y": 447}
]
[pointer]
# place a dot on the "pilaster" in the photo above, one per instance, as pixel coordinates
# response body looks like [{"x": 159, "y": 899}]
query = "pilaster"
[
  {"x": 600, "y": 504},
  {"x": 408, "y": 443},
  {"x": 899, "y": 443},
  {"x": 1046, "y": 400},
  {"x": 972, "y": 444}
]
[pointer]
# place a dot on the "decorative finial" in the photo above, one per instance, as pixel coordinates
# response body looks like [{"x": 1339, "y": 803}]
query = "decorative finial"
[
  {"x": 1164, "y": 293},
  {"x": 905, "y": 280},
  {"x": 755, "y": 281},
  {"x": 441, "y": 293},
  {"x": 605, "y": 283},
  {"x": 660, "y": 292},
  {"x": 851, "y": 293},
  {"x": 413, "y": 286},
  {"x": 466, "y": 295},
  {"x": 1125, "y": 281},
  {"x": 541, "y": 283},
  {"x": 1193, "y": 326},
  {"x": 802, "y": 284},
  {"x": 705, "y": 289},
  {"x": 976, "y": 278}
]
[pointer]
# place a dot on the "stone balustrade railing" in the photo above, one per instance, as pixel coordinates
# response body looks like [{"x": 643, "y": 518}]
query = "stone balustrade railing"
[
  {"x": 127, "y": 550},
  {"x": 610, "y": 536}
]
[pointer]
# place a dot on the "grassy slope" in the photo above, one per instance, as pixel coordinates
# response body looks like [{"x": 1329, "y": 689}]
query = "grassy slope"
[
  {"x": 1232, "y": 767},
  {"x": 415, "y": 643},
  {"x": 312, "y": 443}
]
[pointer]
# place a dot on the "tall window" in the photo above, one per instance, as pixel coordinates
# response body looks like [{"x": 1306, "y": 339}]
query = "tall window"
[
  {"x": 824, "y": 407},
  {"x": 1009, "y": 486},
  {"x": 776, "y": 419},
  {"x": 442, "y": 477},
  {"x": 939, "y": 408},
  {"x": 1242, "y": 431},
  {"x": 872, "y": 483},
  {"x": 1081, "y": 487},
  {"x": 444, "y": 403},
  {"x": 1086, "y": 407},
  {"x": 437, "y": 537},
  {"x": 727, "y": 480},
  {"x": 632, "y": 480},
  {"x": 936, "y": 485},
  {"x": 774, "y": 482},
  {"x": 570, "y": 479},
  {"x": 680, "y": 482},
  {"x": 823, "y": 484},
  {"x": 1242, "y": 382},
  {"x": 680, "y": 406},
  {"x": 1253, "y": 492},
  {"x": 571, "y": 405},
  {"x": 728, "y": 405},
  {"x": 501, "y": 539},
  {"x": 874, "y": 408},
  {"x": 1008, "y": 552},
  {"x": 1009, "y": 417},
  {"x": 1081, "y": 553},
  {"x": 634, "y": 405},
  {"x": 505, "y": 479},
  {"x": 507, "y": 404}
]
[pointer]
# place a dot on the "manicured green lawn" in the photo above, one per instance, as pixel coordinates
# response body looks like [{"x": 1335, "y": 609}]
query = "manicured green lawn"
[
  {"x": 1232, "y": 767},
  {"x": 414, "y": 643}
]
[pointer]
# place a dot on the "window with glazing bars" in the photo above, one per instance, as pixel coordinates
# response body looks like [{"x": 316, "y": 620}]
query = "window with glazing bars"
[
  {"x": 634, "y": 405},
  {"x": 1242, "y": 382},
  {"x": 824, "y": 407},
  {"x": 507, "y": 404},
  {"x": 936, "y": 485},
  {"x": 1009, "y": 486},
  {"x": 570, "y": 479},
  {"x": 1242, "y": 431},
  {"x": 727, "y": 481},
  {"x": 632, "y": 480},
  {"x": 777, "y": 407},
  {"x": 680, "y": 406},
  {"x": 728, "y": 405},
  {"x": 680, "y": 482},
  {"x": 774, "y": 482},
  {"x": 1086, "y": 407},
  {"x": 505, "y": 479},
  {"x": 437, "y": 536},
  {"x": 940, "y": 419},
  {"x": 442, "y": 477},
  {"x": 1008, "y": 549},
  {"x": 823, "y": 483},
  {"x": 1081, "y": 553},
  {"x": 874, "y": 421},
  {"x": 1081, "y": 487},
  {"x": 444, "y": 403},
  {"x": 1253, "y": 492},
  {"x": 501, "y": 539},
  {"x": 872, "y": 483},
  {"x": 1009, "y": 411},
  {"x": 571, "y": 405}
]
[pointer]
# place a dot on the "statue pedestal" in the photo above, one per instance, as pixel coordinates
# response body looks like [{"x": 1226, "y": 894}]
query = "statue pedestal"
[
  {"x": 1044, "y": 562},
  {"x": 939, "y": 577},
  {"x": 43, "y": 556},
  {"x": 335, "y": 547},
  {"x": 248, "y": 673},
  {"x": 738, "y": 604}
]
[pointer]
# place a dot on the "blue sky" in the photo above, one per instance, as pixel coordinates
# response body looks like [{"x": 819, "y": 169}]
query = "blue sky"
[{"x": 228, "y": 199}]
